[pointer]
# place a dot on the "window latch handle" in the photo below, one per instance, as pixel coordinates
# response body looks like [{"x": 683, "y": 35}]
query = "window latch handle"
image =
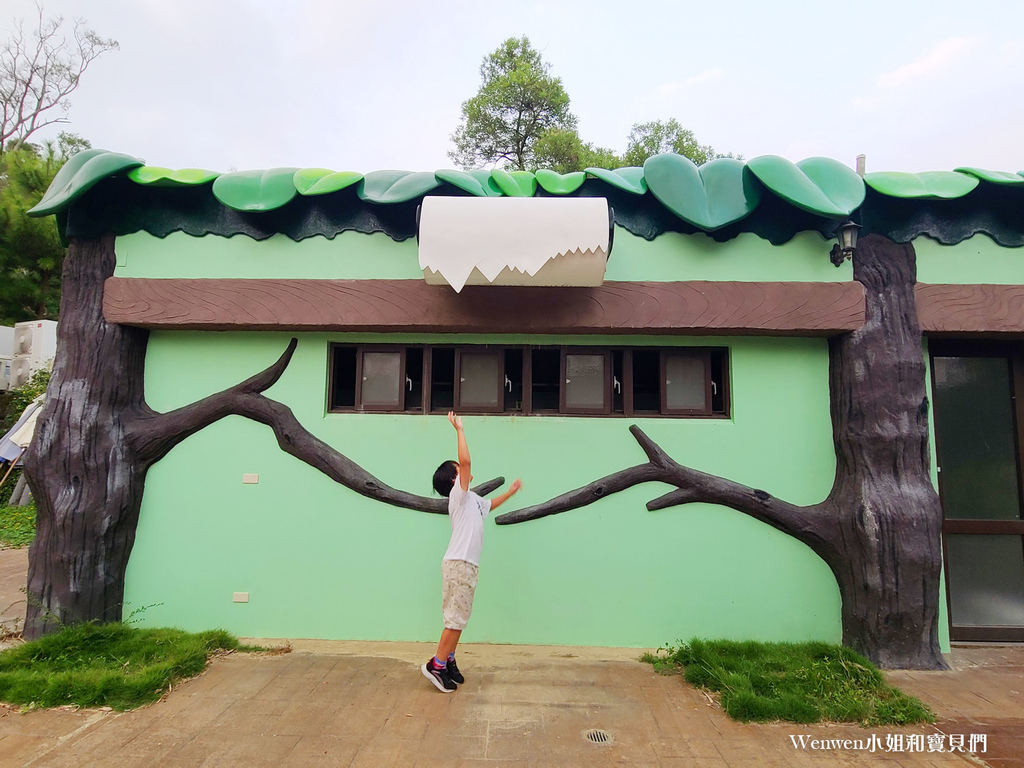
[
  {"x": 616, "y": 384},
  {"x": 408, "y": 382},
  {"x": 714, "y": 388},
  {"x": 508, "y": 383}
]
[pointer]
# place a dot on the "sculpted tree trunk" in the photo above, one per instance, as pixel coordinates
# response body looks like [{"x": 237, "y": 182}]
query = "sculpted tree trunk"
[
  {"x": 879, "y": 530},
  {"x": 96, "y": 439}
]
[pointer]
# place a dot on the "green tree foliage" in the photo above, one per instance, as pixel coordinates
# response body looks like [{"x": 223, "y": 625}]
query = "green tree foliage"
[
  {"x": 649, "y": 139},
  {"x": 31, "y": 253},
  {"x": 518, "y": 102},
  {"x": 520, "y": 118}
]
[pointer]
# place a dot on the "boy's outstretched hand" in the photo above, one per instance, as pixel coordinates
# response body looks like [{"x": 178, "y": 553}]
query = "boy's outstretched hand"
[
  {"x": 456, "y": 421},
  {"x": 497, "y": 501},
  {"x": 517, "y": 485}
]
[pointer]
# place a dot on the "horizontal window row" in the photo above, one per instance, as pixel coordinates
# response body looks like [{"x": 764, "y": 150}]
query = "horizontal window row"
[{"x": 641, "y": 381}]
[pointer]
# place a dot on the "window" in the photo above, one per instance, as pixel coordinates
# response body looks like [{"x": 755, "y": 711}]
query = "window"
[{"x": 599, "y": 381}]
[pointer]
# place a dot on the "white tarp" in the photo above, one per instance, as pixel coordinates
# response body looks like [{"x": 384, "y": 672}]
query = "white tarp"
[
  {"x": 20, "y": 435},
  {"x": 513, "y": 240}
]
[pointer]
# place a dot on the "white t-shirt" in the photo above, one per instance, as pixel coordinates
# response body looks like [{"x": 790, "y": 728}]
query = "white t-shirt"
[{"x": 467, "y": 512}]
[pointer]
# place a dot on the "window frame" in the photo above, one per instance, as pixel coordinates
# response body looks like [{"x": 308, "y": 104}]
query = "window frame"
[
  {"x": 563, "y": 406},
  {"x": 702, "y": 353},
  {"x": 377, "y": 407},
  {"x": 708, "y": 354},
  {"x": 499, "y": 353}
]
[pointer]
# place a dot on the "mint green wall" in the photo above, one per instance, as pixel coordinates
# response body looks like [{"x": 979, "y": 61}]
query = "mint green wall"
[
  {"x": 320, "y": 561},
  {"x": 978, "y": 259},
  {"x": 352, "y": 255}
]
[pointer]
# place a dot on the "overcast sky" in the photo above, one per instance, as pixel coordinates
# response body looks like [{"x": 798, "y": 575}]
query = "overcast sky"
[{"x": 227, "y": 85}]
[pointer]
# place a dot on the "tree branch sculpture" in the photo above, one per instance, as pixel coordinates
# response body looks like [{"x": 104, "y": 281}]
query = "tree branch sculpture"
[
  {"x": 97, "y": 438},
  {"x": 879, "y": 529}
]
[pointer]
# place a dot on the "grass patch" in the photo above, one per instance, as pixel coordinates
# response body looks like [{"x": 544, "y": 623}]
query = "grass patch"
[
  {"x": 17, "y": 526},
  {"x": 796, "y": 682},
  {"x": 105, "y": 665}
]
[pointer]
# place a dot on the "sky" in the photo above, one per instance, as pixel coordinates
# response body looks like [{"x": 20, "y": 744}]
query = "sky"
[{"x": 228, "y": 85}]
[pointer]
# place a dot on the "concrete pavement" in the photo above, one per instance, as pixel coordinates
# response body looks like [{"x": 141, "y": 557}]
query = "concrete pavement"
[{"x": 366, "y": 704}]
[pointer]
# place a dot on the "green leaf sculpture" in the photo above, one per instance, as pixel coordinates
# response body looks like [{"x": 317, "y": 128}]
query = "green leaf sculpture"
[
  {"x": 256, "y": 191},
  {"x": 78, "y": 175},
  {"x": 396, "y": 186},
  {"x": 558, "y": 183},
  {"x": 154, "y": 176},
  {"x": 995, "y": 177},
  {"x": 710, "y": 197},
  {"x": 322, "y": 181},
  {"x": 515, "y": 183},
  {"x": 931, "y": 184},
  {"x": 818, "y": 184},
  {"x": 476, "y": 182},
  {"x": 627, "y": 179}
]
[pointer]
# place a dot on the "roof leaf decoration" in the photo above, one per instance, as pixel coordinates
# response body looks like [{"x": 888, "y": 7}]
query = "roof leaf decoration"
[
  {"x": 256, "y": 191},
  {"x": 629, "y": 179},
  {"x": 153, "y": 176},
  {"x": 560, "y": 183},
  {"x": 477, "y": 182},
  {"x": 78, "y": 175},
  {"x": 515, "y": 183},
  {"x": 944, "y": 185},
  {"x": 396, "y": 186},
  {"x": 995, "y": 177},
  {"x": 710, "y": 197},
  {"x": 322, "y": 181},
  {"x": 818, "y": 184}
]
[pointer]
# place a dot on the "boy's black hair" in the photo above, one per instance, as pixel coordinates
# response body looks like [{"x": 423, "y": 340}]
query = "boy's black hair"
[{"x": 444, "y": 477}]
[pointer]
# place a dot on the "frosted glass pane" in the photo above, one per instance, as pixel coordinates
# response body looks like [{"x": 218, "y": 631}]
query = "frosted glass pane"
[
  {"x": 986, "y": 580},
  {"x": 479, "y": 380},
  {"x": 974, "y": 428},
  {"x": 585, "y": 381},
  {"x": 684, "y": 382},
  {"x": 382, "y": 378}
]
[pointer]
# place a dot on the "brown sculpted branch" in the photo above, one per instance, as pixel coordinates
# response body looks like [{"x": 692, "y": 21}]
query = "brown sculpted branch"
[
  {"x": 97, "y": 438},
  {"x": 879, "y": 529}
]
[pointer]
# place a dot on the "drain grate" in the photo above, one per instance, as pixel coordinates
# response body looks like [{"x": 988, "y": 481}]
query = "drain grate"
[{"x": 597, "y": 736}]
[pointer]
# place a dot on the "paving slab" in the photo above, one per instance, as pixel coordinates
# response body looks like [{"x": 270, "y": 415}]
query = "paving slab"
[{"x": 350, "y": 704}]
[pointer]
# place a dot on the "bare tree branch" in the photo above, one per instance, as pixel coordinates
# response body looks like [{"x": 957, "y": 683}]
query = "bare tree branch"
[
  {"x": 809, "y": 524},
  {"x": 154, "y": 435},
  {"x": 35, "y": 79}
]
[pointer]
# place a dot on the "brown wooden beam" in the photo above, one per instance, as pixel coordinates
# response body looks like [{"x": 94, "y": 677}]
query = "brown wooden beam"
[
  {"x": 955, "y": 310},
  {"x": 800, "y": 309}
]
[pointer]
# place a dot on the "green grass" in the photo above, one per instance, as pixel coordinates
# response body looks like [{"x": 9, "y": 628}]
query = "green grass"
[
  {"x": 105, "y": 665},
  {"x": 796, "y": 682},
  {"x": 17, "y": 526}
]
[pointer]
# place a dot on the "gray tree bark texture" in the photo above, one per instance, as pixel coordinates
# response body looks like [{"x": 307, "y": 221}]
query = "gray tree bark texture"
[
  {"x": 878, "y": 530},
  {"x": 96, "y": 439},
  {"x": 880, "y": 527}
]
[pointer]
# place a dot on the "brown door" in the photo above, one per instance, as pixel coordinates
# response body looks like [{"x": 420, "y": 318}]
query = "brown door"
[{"x": 978, "y": 397}]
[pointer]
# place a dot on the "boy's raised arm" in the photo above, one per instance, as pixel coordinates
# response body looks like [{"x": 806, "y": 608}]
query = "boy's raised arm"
[{"x": 464, "y": 468}]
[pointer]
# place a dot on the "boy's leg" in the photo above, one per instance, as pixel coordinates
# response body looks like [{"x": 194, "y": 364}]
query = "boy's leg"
[{"x": 449, "y": 641}]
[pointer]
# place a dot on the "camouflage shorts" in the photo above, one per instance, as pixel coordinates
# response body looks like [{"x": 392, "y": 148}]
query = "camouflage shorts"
[{"x": 458, "y": 584}]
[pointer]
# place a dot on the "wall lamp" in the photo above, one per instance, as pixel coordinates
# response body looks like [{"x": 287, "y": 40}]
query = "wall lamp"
[{"x": 847, "y": 244}]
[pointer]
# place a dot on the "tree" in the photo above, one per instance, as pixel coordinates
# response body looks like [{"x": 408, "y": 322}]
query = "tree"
[
  {"x": 31, "y": 253},
  {"x": 518, "y": 102},
  {"x": 30, "y": 249},
  {"x": 880, "y": 528},
  {"x": 39, "y": 70},
  {"x": 649, "y": 139},
  {"x": 562, "y": 150}
]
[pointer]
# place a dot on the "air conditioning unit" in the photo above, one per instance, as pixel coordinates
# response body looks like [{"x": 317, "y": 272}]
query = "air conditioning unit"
[
  {"x": 35, "y": 345},
  {"x": 5, "y": 373}
]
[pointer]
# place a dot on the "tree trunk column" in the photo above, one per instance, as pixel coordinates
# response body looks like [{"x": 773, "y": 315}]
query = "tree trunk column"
[
  {"x": 83, "y": 474},
  {"x": 890, "y": 518}
]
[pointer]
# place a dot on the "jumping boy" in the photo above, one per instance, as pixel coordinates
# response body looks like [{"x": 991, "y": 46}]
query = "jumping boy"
[{"x": 461, "y": 562}]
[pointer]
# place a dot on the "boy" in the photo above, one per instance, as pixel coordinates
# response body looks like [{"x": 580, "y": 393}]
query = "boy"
[{"x": 461, "y": 562}]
